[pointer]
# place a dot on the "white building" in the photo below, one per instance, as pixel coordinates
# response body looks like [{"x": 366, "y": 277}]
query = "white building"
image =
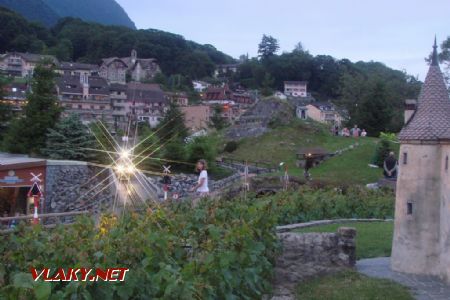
[
  {"x": 200, "y": 86},
  {"x": 295, "y": 88}
]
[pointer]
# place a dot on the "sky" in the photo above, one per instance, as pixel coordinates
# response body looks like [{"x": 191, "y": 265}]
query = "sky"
[{"x": 398, "y": 33}]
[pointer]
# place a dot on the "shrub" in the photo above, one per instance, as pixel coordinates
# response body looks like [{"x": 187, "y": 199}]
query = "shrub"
[
  {"x": 385, "y": 145},
  {"x": 220, "y": 250},
  {"x": 231, "y": 146},
  {"x": 308, "y": 204}
]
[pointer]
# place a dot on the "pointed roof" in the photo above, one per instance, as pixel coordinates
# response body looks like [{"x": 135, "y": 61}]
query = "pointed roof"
[{"x": 431, "y": 120}]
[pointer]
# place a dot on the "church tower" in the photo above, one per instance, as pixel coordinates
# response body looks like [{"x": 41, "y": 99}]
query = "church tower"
[{"x": 421, "y": 242}]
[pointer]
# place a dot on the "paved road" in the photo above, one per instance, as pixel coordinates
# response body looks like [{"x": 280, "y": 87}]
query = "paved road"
[{"x": 422, "y": 287}]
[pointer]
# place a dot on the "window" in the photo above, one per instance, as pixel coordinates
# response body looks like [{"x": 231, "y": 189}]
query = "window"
[
  {"x": 409, "y": 208},
  {"x": 405, "y": 158}
]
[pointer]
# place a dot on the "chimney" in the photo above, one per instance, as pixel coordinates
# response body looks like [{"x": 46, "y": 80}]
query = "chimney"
[
  {"x": 410, "y": 108},
  {"x": 84, "y": 80}
]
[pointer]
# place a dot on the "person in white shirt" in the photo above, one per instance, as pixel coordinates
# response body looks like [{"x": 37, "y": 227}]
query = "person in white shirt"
[
  {"x": 363, "y": 133},
  {"x": 202, "y": 185}
]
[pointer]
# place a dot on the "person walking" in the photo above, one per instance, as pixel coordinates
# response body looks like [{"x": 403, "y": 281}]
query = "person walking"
[{"x": 201, "y": 187}]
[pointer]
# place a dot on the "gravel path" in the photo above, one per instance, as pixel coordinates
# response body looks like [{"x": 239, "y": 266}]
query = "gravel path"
[{"x": 422, "y": 287}]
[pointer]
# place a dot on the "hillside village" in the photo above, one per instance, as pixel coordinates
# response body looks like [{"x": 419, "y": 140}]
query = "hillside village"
[
  {"x": 120, "y": 89},
  {"x": 155, "y": 167}
]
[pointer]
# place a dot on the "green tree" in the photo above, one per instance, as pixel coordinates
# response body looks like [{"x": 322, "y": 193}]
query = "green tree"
[
  {"x": 202, "y": 148},
  {"x": 375, "y": 112},
  {"x": 5, "y": 109},
  {"x": 217, "y": 121},
  {"x": 28, "y": 134},
  {"x": 104, "y": 143},
  {"x": 149, "y": 149},
  {"x": 267, "y": 85},
  {"x": 268, "y": 46},
  {"x": 172, "y": 126},
  {"x": 70, "y": 139},
  {"x": 175, "y": 154}
]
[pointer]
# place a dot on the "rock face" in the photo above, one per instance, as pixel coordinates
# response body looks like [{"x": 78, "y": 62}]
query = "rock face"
[
  {"x": 75, "y": 187},
  {"x": 257, "y": 120},
  {"x": 306, "y": 255}
]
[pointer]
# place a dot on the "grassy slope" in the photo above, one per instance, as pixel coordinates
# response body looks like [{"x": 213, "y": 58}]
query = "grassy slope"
[
  {"x": 282, "y": 144},
  {"x": 351, "y": 285},
  {"x": 351, "y": 166},
  {"x": 373, "y": 239}
]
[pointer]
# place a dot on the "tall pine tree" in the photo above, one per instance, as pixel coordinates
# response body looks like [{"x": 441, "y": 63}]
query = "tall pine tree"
[
  {"x": 5, "y": 109},
  {"x": 28, "y": 134},
  {"x": 172, "y": 126},
  {"x": 70, "y": 139}
]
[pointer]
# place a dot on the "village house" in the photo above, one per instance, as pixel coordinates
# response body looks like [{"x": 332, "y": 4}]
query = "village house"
[
  {"x": 179, "y": 98},
  {"x": 225, "y": 70},
  {"x": 295, "y": 88},
  {"x": 89, "y": 97},
  {"x": 15, "y": 95},
  {"x": 19, "y": 64},
  {"x": 116, "y": 70},
  {"x": 77, "y": 69},
  {"x": 121, "y": 107},
  {"x": 148, "y": 103},
  {"x": 200, "y": 86},
  {"x": 196, "y": 117},
  {"x": 323, "y": 112},
  {"x": 421, "y": 243},
  {"x": 225, "y": 97}
]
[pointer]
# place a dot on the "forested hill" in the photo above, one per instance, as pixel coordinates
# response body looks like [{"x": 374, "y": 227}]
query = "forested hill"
[
  {"x": 77, "y": 40},
  {"x": 48, "y": 12},
  {"x": 33, "y": 10}
]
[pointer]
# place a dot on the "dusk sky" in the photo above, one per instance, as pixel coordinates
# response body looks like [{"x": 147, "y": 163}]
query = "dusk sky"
[{"x": 398, "y": 33}]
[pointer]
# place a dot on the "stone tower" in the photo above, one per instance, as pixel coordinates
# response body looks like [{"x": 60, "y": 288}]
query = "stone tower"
[{"x": 421, "y": 242}]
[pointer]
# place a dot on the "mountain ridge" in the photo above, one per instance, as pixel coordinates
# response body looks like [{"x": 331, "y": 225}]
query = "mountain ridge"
[{"x": 48, "y": 12}]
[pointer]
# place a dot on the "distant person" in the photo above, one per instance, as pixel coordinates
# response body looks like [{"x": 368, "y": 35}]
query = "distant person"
[
  {"x": 336, "y": 130},
  {"x": 390, "y": 166},
  {"x": 202, "y": 184},
  {"x": 14, "y": 222},
  {"x": 363, "y": 133},
  {"x": 355, "y": 131},
  {"x": 309, "y": 163},
  {"x": 345, "y": 132}
]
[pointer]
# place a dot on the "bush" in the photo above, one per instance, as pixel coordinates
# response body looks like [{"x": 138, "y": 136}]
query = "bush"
[
  {"x": 231, "y": 146},
  {"x": 385, "y": 146},
  {"x": 309, "y": 204},
  {"x": 220, "y": 250},
  {"x": 202, "y": 148}
]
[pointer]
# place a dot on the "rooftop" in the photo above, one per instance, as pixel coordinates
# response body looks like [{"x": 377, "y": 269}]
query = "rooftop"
[{"x": 431, "y": 120}]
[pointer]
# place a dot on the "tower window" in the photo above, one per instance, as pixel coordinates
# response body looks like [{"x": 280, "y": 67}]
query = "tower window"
[
  {"x": 405, "y": 158},
  {"x": 446, "y": 163},
  {"x": 409, "y": 208}
]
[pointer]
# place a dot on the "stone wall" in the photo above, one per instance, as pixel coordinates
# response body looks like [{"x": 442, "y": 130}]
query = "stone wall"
[
  {"x": 70, "y": 187},
  {"x": 306, "y": 255}
]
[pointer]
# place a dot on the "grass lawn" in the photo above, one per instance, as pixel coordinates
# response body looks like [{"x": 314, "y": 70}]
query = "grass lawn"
[
  {"x": 351, "y": 285},
  {"x": 350, "y": 167},
  {"x": 282, "y": 144},
  {"x": 373, "y": 239}
]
